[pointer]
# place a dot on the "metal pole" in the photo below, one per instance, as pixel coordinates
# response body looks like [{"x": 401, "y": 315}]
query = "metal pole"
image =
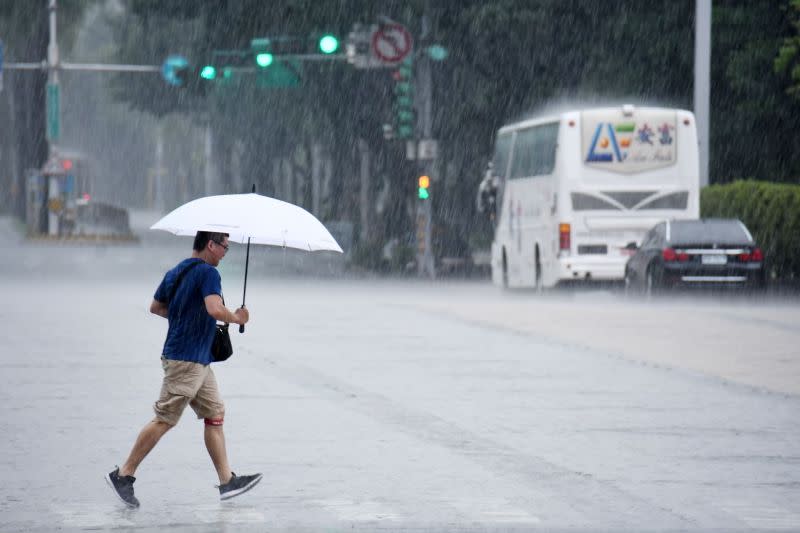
[
  {"x": 702, "y": 82},
  {"x": 364, "y": 196},
  {"x": 52, "y": 80},
  {"x": 246, "y": 266},
  {"x": 209, "y": 156},
  {"x": 158, "y": 186},
  {"x": 427, "y": 133}
]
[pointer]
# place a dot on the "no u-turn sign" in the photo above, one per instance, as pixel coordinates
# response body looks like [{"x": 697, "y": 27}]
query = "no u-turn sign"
[{"x": 391, "y": 43}]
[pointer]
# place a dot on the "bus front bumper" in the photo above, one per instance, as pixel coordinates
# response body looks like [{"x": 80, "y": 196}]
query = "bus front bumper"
[{"x": 592, "y": 268}]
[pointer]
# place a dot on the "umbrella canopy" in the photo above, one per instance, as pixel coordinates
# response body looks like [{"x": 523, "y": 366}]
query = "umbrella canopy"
[{"x": 251, "y": 218}]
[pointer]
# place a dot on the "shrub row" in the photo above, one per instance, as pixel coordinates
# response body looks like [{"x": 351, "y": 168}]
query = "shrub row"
[{"x": 771, "y": 211}]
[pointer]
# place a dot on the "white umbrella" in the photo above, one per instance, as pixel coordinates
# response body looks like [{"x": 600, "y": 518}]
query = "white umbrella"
[{"x": 250, "y": 218}]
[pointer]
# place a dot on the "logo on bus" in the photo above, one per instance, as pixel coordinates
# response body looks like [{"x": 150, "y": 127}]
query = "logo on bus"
[{"x": 631, "y": 147}]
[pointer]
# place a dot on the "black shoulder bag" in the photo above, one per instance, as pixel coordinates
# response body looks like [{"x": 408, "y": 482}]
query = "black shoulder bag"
[{"x": 221, "y": 347}]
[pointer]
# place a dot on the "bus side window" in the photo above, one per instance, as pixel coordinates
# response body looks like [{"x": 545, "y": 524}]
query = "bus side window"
[
  {"x": 502, "y": 151},
  {"x": 535, "y": 151}
]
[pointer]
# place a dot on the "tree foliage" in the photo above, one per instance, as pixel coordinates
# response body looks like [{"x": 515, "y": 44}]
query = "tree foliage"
[
  {"x": 507, "y": 58},
  {"x": 788, "y": 59}
]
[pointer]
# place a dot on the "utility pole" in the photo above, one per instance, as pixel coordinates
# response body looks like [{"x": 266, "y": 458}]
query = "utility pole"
[
  {"x": 209, "y": 160},
  {"x": 53, "y": 65},
  {"x": 53, "y": 96},
  {"x": 364, "y": 196},
  {"x": 702, "y": 82},
  {"x": 425, "y": 261}
]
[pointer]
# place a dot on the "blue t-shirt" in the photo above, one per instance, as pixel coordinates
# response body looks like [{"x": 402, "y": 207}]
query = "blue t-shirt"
[{"x": 191, "y": 328}]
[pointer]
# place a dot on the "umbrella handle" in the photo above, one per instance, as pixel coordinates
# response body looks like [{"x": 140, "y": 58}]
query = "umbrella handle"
[{"x": 246, "y": 264}]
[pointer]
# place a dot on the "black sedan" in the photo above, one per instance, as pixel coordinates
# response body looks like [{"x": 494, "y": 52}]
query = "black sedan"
[{"x": 706, "y": 252}]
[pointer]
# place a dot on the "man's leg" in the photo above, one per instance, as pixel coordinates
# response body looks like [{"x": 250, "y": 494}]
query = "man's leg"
[
  {"x": 209, "y": 406},
  {"x": 146, "y": 441},
  {"x": 215, "y": 444}
]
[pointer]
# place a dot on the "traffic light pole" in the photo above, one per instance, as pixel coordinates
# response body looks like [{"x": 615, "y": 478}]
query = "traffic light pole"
[
  {"x": 53, "y": 65},
  {"x": 425, "y": 261}
]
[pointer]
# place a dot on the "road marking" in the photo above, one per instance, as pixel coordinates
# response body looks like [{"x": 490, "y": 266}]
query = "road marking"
[
  {"x": 764, "y": 515},
  {"x": 359, "y": 511},
  {"x": 87, "y": 516},
  {"x": 228, "y": 513},
  {"x": 492, "y": 510}
]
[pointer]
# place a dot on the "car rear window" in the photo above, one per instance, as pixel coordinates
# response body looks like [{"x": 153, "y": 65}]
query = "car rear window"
[{"x": 708, "y": 232}]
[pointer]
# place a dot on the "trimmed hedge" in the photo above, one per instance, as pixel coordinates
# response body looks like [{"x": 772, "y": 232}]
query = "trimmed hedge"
[{"x": 771, "y": 211}]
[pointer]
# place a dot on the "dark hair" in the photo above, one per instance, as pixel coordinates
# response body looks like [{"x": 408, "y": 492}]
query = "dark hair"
[{"x": 202, "y": 238}]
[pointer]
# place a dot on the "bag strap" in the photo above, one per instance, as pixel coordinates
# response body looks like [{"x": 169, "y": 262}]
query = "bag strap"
[{"x": 180, "y": 278}]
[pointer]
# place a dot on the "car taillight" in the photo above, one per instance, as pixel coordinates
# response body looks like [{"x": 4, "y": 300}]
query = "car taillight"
[
  {"x": 671, "y": 255},
  {"x": 564, "y": 238},
  {"x": 754, "y": 256}
]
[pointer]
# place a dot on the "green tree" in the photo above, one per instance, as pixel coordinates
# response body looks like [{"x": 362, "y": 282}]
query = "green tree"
[
  {"x": 788, "y": 59},
  {"x": 754, "y": 123}
]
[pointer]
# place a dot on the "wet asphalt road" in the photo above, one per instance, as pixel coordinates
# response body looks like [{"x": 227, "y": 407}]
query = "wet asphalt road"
[{"x": 398, "y": 405}]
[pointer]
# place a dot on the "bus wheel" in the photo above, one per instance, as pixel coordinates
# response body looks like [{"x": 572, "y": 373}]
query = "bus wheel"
[{"x": 537, "y": 280}]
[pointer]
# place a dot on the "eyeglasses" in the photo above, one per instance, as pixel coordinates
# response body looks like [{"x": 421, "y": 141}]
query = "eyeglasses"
[{"x": 220, "y": 244}]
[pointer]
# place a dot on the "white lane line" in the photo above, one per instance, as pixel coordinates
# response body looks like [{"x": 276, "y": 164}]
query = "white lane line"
[
  {"x": 359, "y": 511},
  {"x": 764, "y": 515},
  {"x": 225, "y": 512},
  {"x": 492, "y": 510},
  {"x": 87, "y": 516}
]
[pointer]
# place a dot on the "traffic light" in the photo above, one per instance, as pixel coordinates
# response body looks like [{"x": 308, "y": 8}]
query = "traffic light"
[
  {"x": 328, "y": 44},
  {"x": 179, "y": 72},
  {"x": 208, "y": 72},
  {"x": 404, "y": 100},
  {"x": 262, "y": 51},
  {"x": 176, "y": 70},
  {"x": 424, "y": 184}
]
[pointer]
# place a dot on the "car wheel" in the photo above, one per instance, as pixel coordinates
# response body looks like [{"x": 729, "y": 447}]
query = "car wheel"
[
  {"x": 628, "y": 284},
  {"x": 505, "y": 271},
  {"x": 652, "y": 282}
]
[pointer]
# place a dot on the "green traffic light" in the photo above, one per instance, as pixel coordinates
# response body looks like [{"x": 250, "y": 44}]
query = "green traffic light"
[
  {"x": 328, "y": 44},
  {"x": 208, "y": 72},
  {"x": 404, "y": 115},
  {"x": 264, "y": 59},
  {"x": 404, "y": 131},
  {"x": 423, "y": 193},
  {"x": 437, "y": 52}
]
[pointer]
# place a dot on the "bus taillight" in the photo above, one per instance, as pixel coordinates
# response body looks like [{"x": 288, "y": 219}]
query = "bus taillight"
[{"x": 564, "y": 236}]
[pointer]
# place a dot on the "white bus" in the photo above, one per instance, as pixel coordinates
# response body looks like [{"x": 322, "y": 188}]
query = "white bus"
[{"x": 575, "y": 189}]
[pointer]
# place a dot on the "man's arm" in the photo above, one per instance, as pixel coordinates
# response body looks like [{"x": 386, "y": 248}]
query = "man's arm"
[
  {"x": 217, "y": 309},
  {"x": 159, "y": 308}
]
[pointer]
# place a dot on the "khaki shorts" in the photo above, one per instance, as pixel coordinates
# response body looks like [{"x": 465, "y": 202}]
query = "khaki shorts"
[{"x": 186, "y": 383}]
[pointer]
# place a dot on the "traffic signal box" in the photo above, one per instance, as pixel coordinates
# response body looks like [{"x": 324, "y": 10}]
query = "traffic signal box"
[
  {"x": 277, "y": 61},
  {"x": 423, "y": 192},
  {"x": 404, "y": 99}
]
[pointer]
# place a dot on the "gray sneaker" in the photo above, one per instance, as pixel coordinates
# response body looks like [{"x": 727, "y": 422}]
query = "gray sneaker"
[
  {"x": 238, "y": 485},
  {"x": 122, "y": 487}
]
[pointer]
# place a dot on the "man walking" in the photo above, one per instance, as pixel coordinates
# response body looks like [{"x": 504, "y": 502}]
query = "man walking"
[{"x": 190, "y": 298}]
